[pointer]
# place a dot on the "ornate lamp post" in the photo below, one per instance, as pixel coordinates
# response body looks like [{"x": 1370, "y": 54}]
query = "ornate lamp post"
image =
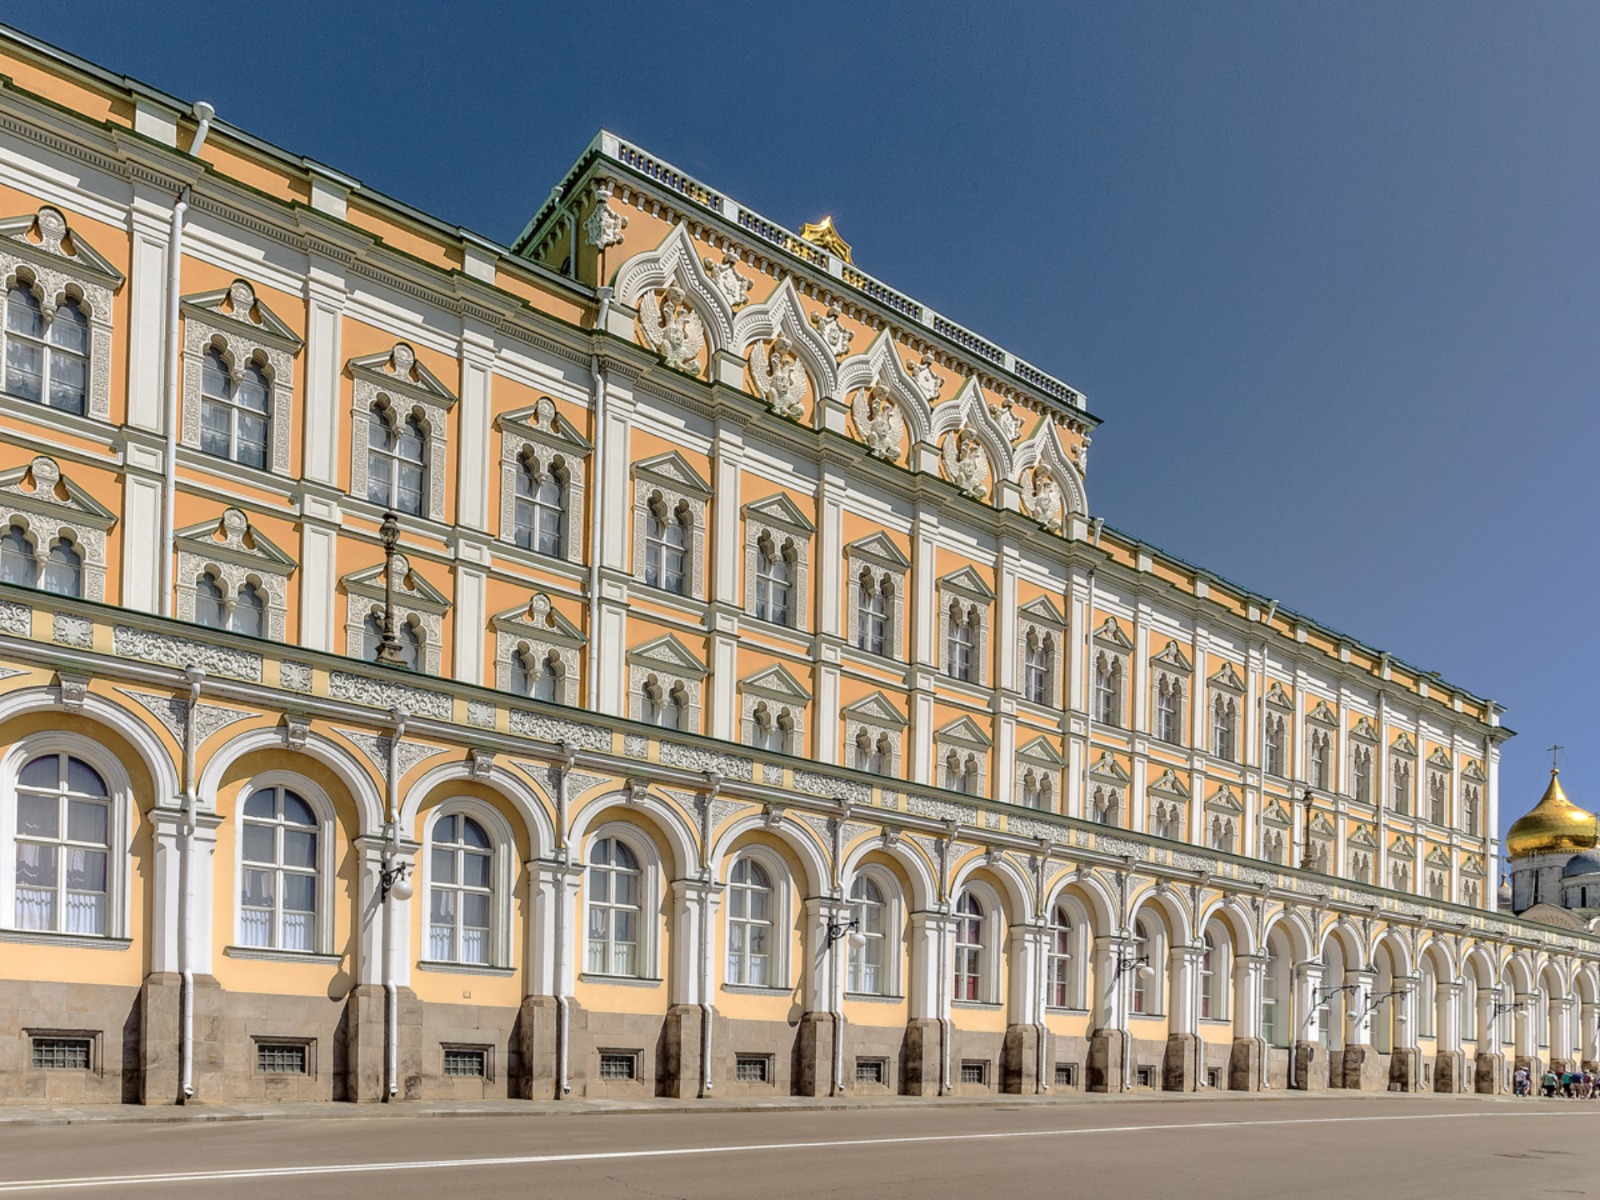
[
  {"x": 1308, "y": 854},
  {"x": 389, "y": 647}
]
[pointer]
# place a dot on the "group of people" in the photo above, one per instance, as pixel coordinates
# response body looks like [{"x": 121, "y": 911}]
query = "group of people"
[{"x": 1568, "y": 1085}]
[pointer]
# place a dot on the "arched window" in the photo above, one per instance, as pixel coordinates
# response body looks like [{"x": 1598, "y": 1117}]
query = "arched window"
[
  {"x": 405, "y": 632},
  {"x": 970, "y": 948},
  {"x": 1037, "y": 652},
  {"x": 869, "y": 962},
  {"x": 1222, "y": 834},
  {"x": 1402, "y": 788},
  {"x": 280, "y": 871},
  {"x": 396, "y": 452},
  {"x": 774, "y": 581},
  {"x": 233, "y": 412},
  {"x": 659, "y": 705},
  {"x": 872, "y": 754},
  {"x": 63, "y": 570},
  {"x": 1469, "y": 1007},
  {"x": 1169, "y": 710},
  {"x": 209, "y": 606},
  {"x": 460, "y": 891},
  {"x": 961, "y": 642},
  {"x": 1427, "y": 1000},
  {"x": 1436, "y": 800},
  {"x": 249, "y": 611},
  {"x": 666, "y": 541},
  {"x": 1470, "y": 805},
  {"x": 540, "y": 507},
  {"x": 872, "y": 613},
  {"x": 1108, "y": 690},
  {"x": 1104, "y": 807},
  {"x": 1274, "y": 846},
  {"x": 1275, "y": 994},
  {"x": 615, "y": 894},
  {"x": 1030, "y": 788},
  {"x": 1060, "y": 968},
  {"x": 1211, "y": 963},
  {"x": 1361, "y": 774},
  {"x": 1320, "y": 747},
  {"x": 545, "y": 683},
  {"x": 63, "y": 847},
  {"x": 1275, "y": 740},
  {"x": 18, "y": 563},
  {"x": 752, "y": 905},
  {"x": 771, "y": 731},
  {"x": 51, "y": 366},
  {"x": 1224, "y": 722},
  {"x": 1140, "y": 999}
]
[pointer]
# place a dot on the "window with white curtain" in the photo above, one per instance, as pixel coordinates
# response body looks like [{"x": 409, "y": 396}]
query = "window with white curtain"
[
  {"x": 279, "y": 871},
  {"x": 46, "y": 362},
  {"x": 752, "y": 912},
  {"x": 868, "y": 972},
  {"x": 540, "y": 506},
  {"x": 1038, "y": 655},
  {"x": 460, "y": 890},
  {"x": 1108, "y": 690},
  {"x": 62, "y": 847},
  {"x": 775, "y": 575},
  {"x": 666, "y": 546},
  {"x": 615, "y": 903},
  {"x": 1060, "y": 968},
  {"x": 233, "y": 410},
  {"x": 397, "y": 449}
]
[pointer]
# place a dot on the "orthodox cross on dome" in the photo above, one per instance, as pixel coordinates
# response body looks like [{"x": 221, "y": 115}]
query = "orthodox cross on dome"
[{"x": 1555, "y": 757}]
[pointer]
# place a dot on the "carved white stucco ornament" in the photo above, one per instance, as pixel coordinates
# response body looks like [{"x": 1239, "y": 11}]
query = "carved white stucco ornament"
[
  {"x": 879, "y": 421},
  {"x": 735, "y": 288},
  {"x": 834, "y": 335},
  {"x": 779, "y": 376},
  {"x": 922, "y": 375},
  {"x": 965, "y": 462},
  {"x": 1008, "y": 419},
  {"x": 605, "y": 224},
  {"x": 1080, "y": 455},
  {"x": 1041, "y": 497},
  {"x": 673, "y": 329}
]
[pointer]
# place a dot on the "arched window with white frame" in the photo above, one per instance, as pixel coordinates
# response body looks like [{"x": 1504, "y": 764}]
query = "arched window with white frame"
[
  {"x": 1108, "y": 690},
  {"x": 46, "y": 361},
  {"x": 539, "y": 507},
  {"x": 1400, "y": 778},
  {"x": 64, "y": 825},
  {"x": 1321, "y": 754},
  {"x": 1038, "y": 656},
  {"x": 752, "y": 908},
  {"x": 1275, "y": 991},
  {"x": 1064, "y": 970},
  {"x": 1169, "y": 709},
  {"x": 972, "y": 949},
  {"x": 1427, "y": 1004},
  {"x": 397, "y": 454},
  {"x": 872, "y": 908},
  {"x": 775, "y": 580},
  {"x": 1277, "y": 735},
  {"x": 234, "y": 408},
  {"x": 1224, "y": 727},
  {"x": 281, "y": 870},
  {"x": 461, "y": 890},
  {"x": 1361, "y": 774},
  {"x": 1213, "y": 978},
  {"x": 1144, "y": 997},
  {"x": 615, "y": 886},
  {"x": 666, "y": 545},
  {"x": 874, "y": 604}
]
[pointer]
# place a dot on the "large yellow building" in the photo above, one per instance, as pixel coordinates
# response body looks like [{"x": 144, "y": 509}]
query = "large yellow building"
[{"x": 774, "y": 714}]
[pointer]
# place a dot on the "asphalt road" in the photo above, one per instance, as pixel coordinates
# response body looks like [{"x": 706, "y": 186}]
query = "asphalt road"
[{"x": 1308, "y": 1148}]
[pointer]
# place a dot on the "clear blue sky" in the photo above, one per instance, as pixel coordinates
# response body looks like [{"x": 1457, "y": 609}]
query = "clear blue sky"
[{"x": 1329, "y": 272}]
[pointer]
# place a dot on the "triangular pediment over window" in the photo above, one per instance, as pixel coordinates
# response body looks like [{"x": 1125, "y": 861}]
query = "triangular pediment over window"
[
  {"x": 964, "y": 731},
  {"x": 1473, "y": 866},
  {"x": 1403, "y": 744},
  {"x": 1439, "y": 759},
  {"x": 1322, "y": 827},
  {"x": 1323, "y": 715},
  {"x": 399, "y": 369},
  {"x": 46, "y": 235},
  {"x": 1223, "y": 800},
  {"x": 1042, "y": 610},
  {"x": 544, "y": 423},
  {"x": 1278, "y": 697},
  {"x": 410, "y": 588},
  {"x": 1111, "y": 634},
  {"x": 1438, "y": 858},
  {"x": 1173, "y": 658},
  {"x": 779, "y": 510},
  {"x": 1363, "y": 837},
  {"x": 776, "y": 683},
  {"x": 1228, "y": 678},
  {"x": 672, "y": 470},
  {"x": 539, "y": 618},
  {"x": 238, "y": 304},
  {"x": 875, "y": 710},
  {"x": 1170, "y": 785},
  {"x": 1473, "y": 773},
  {"x": 1107, "y": 767},
  {"x": 967, "y": 582},
  {"x": 232, "y": 538},
  {"x": 667, "y": 654},
  {"x": 41, "y": 486},
  {"x": 879, "y": 548},
  {"x": 1364, "y": 729},
  {"x": 1040, "y": 753},
  {"x": 1402, "y": 846}
]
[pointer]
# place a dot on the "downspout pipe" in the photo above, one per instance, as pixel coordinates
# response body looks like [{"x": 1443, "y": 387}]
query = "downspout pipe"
[
  {"x": 391, "y": 990},
  {"x": 569, "y": 754},
  {"x": 203, "y": 113},
  {"x": 597, "y": 372},
  {"x": 1261, "y": 804},
  {"x": 196, "y": 677},
  {"x": 708, "y": 1011}
]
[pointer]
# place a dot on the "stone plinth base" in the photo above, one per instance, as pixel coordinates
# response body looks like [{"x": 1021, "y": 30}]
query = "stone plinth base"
[
  {"x": 1450, "y": 1072},
  {"x": 1365, "y": 1070},
  {"x": 1180, "y": 1067},
  {"x": 813, "y": 1067},
  {"x": 1244, "y": 1065},
  {"x": 1019, "y": 1060},
  {"x": 1105, "y": 1060},
  {"x": 1310, "y": 1067},
  {"x": 921, "y": 1057}
]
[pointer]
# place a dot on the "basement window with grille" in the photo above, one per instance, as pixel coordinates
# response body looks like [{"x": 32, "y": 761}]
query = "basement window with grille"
[
  {"x": 465, "y": 1062},
  {"x": 975, "y": 1071},
  {"x": 1067, "y": 1075},
  {"x": 282, "y": 1058},
  {"x": 1145, "y": 1077},
  {"x": 63, "y": 1053},
  {"x": 752, "y": 1068},
  {"x": 619, "y": 1064},
  {"x": 872, "y": 1070}
]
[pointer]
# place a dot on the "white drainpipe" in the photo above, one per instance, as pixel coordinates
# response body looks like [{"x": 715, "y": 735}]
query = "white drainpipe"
[
  {"x": 597, "y": 508},
  {"x": 203, "y": 113},
  {"x": 563, "y": 1013},
  {"x": 708, "y": 1010},
  {"x": 196, "y": 677},
  {"x": 1261, "y": 805},
  {"x": 391, "y": 990}
]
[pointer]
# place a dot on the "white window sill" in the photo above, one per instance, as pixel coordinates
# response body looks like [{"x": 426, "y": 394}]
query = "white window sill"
[
  {"x": 752, "y": 989},
  {"x": 74, "y": 941},
  {"x": 451, "y": 968},
  {"x": 978, "y": 1004},
  {"x": 874, "y": 998},
  {"x": 267, "y": 954},
  {"x": 620, "y": 980},
  {"x": 1066, "y": 1012}
]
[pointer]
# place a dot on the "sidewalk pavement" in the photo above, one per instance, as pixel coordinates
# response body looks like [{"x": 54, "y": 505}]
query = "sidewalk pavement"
[{"x": 136, "y": 1114}]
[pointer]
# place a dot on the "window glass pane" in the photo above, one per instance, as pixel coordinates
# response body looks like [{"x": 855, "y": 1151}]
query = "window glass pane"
[
  {"x": 257, "y": 889},
  {"x": 248, "y": 611},
  {"x": 63, "y": 574},
  {"x": 38, "y": 816},
  {"x": 88, "y": 821},
  {"x": 24, "y": 369},
  {"x": 214, "y": 378},
  {"x": 299, "y": 848},
  {"x": 86, "y": 870},
  {"x": 36, "y": 865},
  {"x": 444, "y": 865},
  {"x": 69, "y": 380},
  {"x": 207, "y": 602},
  {"x": 472, "y": 834},
  {"x": 261, "y": 803},
  {"x": 475, "y": 910},
  {"x": 259, "y": 844},
  {"x": 377, "y": 478},
  {"x": 23, "y": 314},
  {"x": 442, "y": 909},
  {"x": 296, "y": 811},
  {"x": 252, "y": 393},
  {"x": 300, "y": 893},
  {"x": 252, "y": 442},
  {"x": 475, "y": 870},
  {"x": 408, "y": 489},
  {"x": 41, "y": 773},
  {"x": 17, "y": 564},
  {"x": 70, "y": 329}
]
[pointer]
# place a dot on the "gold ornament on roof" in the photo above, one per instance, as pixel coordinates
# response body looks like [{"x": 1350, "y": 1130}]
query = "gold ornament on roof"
[
  {"x": 824, "y": 235},
  {"x": 1555, "y": 825}
]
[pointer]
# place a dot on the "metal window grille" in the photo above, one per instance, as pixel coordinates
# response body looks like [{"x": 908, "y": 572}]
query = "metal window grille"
[
  {"x": 619, "y": 1066},
  {"x": 61, "y": 1054},
  {"x": 1145, "y": 1077},
  {"x": 1066, "y": 1075},
  {"x": 280, "y": 1058},
  {"x": 1214, "y": 1077},
  {"x": 872, "y": 1070},
  {"x": 752, "y": 1068},
  {"x": 466, "y": 1064},
  {"x": 974, "y": 1072}
]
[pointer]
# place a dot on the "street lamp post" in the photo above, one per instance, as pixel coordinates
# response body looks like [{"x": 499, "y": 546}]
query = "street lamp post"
[{"x": 389, "y": 653}]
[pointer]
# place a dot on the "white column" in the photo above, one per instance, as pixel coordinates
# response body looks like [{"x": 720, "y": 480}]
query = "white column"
[
  {"x": 1110, "y": 985},
  {"x": 1249, "y": 976},
  {"x": 1447, "y": 1023},
  {"x": 1026, "y": 949},
  {"x": 1357, "y": 1008},
  {"x": 1560, "y": 1019},
  {"x": 552, "y": 886},
  {"x": 150, "y": 222},
  {"x": 324, "y": 368},
  {"x": 470, "y": 614},
  {"x": 141, "y": 529},
  {"x": 320, "y": 622},
  {"x": 1183, "y": 976},
  {"x": 167, "y": 877},
  {"x": 689, "y": 978},
  {"x": 1307, "y": 992},
  {"x": 927, "y": 985},
  {"x": 1406, "y": 1023},
  {"x": 474, "y": 462},
  {"x": 726, "y": 557}
]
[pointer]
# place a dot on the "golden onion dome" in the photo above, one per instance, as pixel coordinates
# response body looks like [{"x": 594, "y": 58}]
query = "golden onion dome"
[{"x": 1555, "y": 825}]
